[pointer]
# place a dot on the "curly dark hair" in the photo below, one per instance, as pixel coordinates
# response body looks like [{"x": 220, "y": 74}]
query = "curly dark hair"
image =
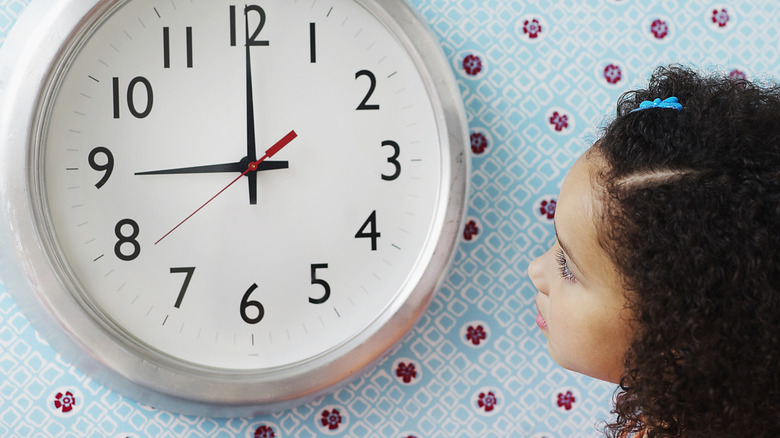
[{"x": 690, "y": 215}]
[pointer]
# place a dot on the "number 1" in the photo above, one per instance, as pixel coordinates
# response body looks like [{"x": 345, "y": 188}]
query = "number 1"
[{"x": 312, "y": 43}]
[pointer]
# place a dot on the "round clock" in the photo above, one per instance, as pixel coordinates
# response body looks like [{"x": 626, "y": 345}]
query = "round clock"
[{"x": 221, "y": 208}]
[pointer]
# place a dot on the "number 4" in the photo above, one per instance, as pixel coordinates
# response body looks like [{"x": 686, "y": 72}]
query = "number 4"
[{"x": 372, "y": 234}]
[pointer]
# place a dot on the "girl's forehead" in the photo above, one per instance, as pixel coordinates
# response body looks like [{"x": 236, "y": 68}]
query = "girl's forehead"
[{"x": 576, "y": 221}]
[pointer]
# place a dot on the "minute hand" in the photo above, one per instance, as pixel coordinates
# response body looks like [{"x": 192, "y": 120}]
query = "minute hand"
[
  {"x": 217, "y": 168},
  {"x": 251, "y": 150}
]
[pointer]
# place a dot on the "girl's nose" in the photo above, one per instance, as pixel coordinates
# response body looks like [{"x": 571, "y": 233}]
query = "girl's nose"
[{"x": 536, "y": 272}]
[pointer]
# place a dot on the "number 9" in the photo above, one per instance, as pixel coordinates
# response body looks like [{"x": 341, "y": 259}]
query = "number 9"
[{"x": 108, "y": 167}]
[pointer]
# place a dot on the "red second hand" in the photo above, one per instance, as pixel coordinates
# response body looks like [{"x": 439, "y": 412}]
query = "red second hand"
[{"x": 251, "y": 167}]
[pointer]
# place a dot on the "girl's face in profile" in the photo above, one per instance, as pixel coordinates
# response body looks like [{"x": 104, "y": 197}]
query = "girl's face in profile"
[{"x": 581, "y": 304}]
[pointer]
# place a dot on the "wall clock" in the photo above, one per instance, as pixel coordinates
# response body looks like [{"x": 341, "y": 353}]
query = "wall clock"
[{"x": 222, "y": 208}]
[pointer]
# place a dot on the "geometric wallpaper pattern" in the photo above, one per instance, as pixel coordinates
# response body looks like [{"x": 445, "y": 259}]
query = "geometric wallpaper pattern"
[{"x": 538, "y": 79}]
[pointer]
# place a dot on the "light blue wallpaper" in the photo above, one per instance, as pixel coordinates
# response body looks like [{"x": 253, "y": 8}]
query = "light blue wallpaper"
[{"x": 537, "y": 79}]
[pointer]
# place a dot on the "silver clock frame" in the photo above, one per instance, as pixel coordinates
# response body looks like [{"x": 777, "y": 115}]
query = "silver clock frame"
[{"x": 33, "y": 57}]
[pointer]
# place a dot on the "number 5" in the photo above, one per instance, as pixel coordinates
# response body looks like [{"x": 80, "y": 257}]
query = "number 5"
[{"x": 323, "y": 283}]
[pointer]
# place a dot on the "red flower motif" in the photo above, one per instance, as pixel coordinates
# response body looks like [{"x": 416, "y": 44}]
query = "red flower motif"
[
  {"x": 560, "y": 121},
  {"x": 720, "y": 17},
  {"x": 406, "y": 372},
  {"x": 566, "y": 400},
  {"x": 471, "y": 230},
  {"x": 532, "y": 27},
  {"x": 548, "y": 208},
  {"x": 472, "y": 64},
  {"x": 613, "y": 74},
  {"x": 487, "y": 401},
  {"x": 265, "y": 432},
  {"x": 64, "y": 402},
  {"x": 659, "y": 28},
  {"x": 331, "y": 419},
  {"x": 476, "y": 334},
  {"x": 478, "y": 142},
  {"x": 737, "y": 75}
]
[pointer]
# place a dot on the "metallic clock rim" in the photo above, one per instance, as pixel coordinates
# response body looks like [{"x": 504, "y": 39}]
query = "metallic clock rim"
[{"x": 28, "y": 269}]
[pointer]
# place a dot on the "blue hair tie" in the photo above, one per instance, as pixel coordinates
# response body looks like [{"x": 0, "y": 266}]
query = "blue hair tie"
[{"x": 669, "y": 102}]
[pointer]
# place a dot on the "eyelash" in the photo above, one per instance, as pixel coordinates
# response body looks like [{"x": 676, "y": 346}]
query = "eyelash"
[{"x": 563, "y": 267}]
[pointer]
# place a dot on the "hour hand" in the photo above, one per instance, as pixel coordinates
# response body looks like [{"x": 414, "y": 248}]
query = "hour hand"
[{"x": 239, "y": 167}]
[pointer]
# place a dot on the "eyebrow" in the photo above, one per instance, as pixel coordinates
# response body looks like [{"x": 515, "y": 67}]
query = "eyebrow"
[{"x": 566, "y": 251}]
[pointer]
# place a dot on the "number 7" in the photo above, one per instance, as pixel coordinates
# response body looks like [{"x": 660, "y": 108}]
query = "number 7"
[{"x": 189, "y": 272}]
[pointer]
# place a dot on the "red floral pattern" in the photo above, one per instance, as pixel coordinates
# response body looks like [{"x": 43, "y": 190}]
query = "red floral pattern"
[
  {"x": 471, "y": 230},
  {"x": 487, "y": 401},
  {"x": 613, "y": 74},
  {"x": 406, "y": 372},
  {"x": 65, "y": 402},
  {"x": 331, "y": 419},
  {"x": 265, "y": 432},
  {"x": 478, "y": 142},
  {"x": 476, "y": 334},
  {"x": 566, "y": 400},
  {"x": 532, "y": 28},
  {"x": 547, "y": 208},
  {"x": 559, "y": 121},
  {"x": 720, "y": 17},
  {"x": 659, "y": 29},
  {"x": 472, "y": 64},
  {"x": 737, "y": 75}
]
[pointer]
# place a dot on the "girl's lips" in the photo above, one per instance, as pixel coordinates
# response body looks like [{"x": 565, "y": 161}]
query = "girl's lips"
[{"x": 540, "y": 321}]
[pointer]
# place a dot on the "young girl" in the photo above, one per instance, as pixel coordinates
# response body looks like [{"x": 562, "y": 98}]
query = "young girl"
[{"x": 665, "y": 276}]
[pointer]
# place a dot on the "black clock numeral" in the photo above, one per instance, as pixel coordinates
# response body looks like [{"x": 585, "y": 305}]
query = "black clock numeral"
[
  {"x": 106, "y": 168},
  {"x": 189, "y": 271},
  {"x": 372, "y": 233},
  {"x": 364, "y": 105},
  {"x": 321, "y": 282},
  {"x": 312, "y": 43},
  {"x": 246, "y": 303},
  {"x": 250, "y": 40},
  {"x": 393, "y": 160},
  {"x": 167, "y": 47},
  {"x": 131, "y": 104},
  {"x": 127, "y": 239}
]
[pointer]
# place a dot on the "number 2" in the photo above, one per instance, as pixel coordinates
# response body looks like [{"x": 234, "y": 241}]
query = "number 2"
[{"x": 364, "y": 105}]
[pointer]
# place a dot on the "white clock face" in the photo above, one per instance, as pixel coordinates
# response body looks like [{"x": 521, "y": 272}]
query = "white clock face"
[{"x": 154, "y": 116}]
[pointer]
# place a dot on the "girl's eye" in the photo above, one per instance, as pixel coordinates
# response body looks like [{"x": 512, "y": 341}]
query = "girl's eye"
[{"x": 563, "y": 267}]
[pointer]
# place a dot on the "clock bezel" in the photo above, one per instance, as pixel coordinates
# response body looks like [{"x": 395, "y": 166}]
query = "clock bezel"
[{"x": 31, "y": 60}]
